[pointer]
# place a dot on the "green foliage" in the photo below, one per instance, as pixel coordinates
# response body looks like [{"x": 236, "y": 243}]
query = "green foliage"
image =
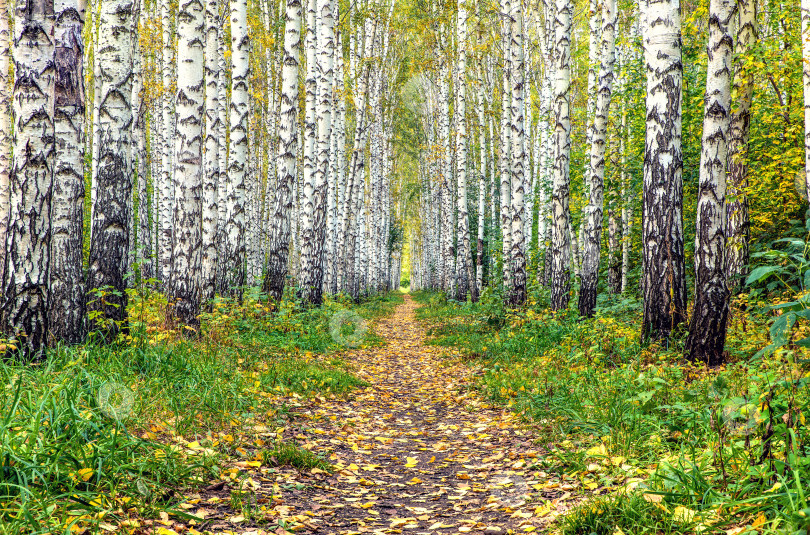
[
  {"x": 706, "y": 447},
  {"x": 98, "y": 429}
]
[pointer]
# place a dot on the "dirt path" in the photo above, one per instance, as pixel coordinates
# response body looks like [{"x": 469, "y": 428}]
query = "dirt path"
[{"x": 414, "y": 453}]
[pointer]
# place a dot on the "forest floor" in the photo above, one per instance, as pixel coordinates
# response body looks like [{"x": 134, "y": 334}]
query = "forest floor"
[{"x": 414, "y": 451}]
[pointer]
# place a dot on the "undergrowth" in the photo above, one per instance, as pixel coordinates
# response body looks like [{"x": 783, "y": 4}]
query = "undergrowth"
[
  {"x": 658, "y": 444},
  {"x": 103, "y": 433}
]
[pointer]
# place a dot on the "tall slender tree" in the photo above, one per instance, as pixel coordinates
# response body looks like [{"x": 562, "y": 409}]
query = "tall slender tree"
[
  {"x": 517, "y": 289},
  {"x": 184, "y": 284},
  {"x": 112, "y": 213},
  {"x": 25, "y": 288},
  {"x": 463, "y": 265},
  {"x": 67, "y": 300},
  {"x": 235, "y": 220},
  {"x": 737, "y": 220},
  {"x": 663, "y": 278},
  {"x": 5, "y": 128},
  {"x": 560, "y": 248},
  {"x": 707, "y": 330},
  {"x": 589, "y": 274},
  {"x": 211, "y": 169},
  {"x": 278, "y": 253}
]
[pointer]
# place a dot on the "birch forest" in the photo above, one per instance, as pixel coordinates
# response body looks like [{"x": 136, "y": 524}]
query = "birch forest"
[{"x": 405, "y": 266}]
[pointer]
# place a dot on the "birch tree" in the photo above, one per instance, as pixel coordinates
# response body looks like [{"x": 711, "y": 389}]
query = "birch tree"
[
  {"x": 5, "y": 129},
  {"x": 211, "y": 169},
  {"x": 596, "y": 173},
  {"x": 315, "y": 233},
  {"x": 517, "y": 290},
  {"x": 234, "y": 224},
  {"x": 278, "y": 253},
  {"x": 165, "y": 186},
  {"x": 707, "y": 329},
  {"x": 25, "y": 288},
  {"x": 184, "y": 283},
  {"x": 560, "y": 248},
  {"x": 463, "y": 266},
  {"x": 112, "y": 213},
  {"x": 737, "y": 219},
  {"x": 67, "y": 298},
  {"x": 663, "y": 278}
]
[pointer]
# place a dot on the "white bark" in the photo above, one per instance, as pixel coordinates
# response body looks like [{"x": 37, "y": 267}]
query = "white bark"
[
  {"x": 25, "y": 288},
  {"x": 707, "y": 330},
  {"x": 596, "y": 172},
  {"x": 278, "y": 250},
  {"x": 211, "y": 170},
  {"x": 235, "y": 250},
  {"x": 112, "y": 217},
  {"x": 560, "y": 248},
  {"x": 664, "y": 282},
  {"x": 184, "y": 285},
  {"x": 463, "y": 265},
  {"x": 67, "y": 298},
  {"x": 165, "y": 187},
  {"x": 5, "y": 128},
  {"x": 517, "y": 290},
  {"x": 315, "y": 234}
]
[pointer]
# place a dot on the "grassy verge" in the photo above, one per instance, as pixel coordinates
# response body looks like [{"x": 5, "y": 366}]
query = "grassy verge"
[
  {"x": 657, "y": 445},
  {"x": 102, "y": 434}
]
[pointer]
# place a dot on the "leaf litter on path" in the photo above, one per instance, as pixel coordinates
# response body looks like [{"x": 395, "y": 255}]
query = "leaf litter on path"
[{"x": 414, "y": 452}]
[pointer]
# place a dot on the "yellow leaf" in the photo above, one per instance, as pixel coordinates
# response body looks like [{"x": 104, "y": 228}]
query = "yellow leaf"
[
  {"x": 760, "y": 520},
  {"x": 86, "y": 474},
  {"x": 411, "y": 462}
]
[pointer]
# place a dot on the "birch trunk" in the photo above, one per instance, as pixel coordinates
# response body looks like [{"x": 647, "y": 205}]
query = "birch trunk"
[
  {"x": 504, "y": 157},
  {"x": 184, "y": 285},
  {"x": 315, "y": 235},
  {"x": 278, "y": 249},
  {"x": 663, "y": 279},
  {"x": 446, "y": 179},
  {"x": 112, "y": 217},
  {"x": 223, "y": 181},
  {"x": 560, "y": 248},
  {"x": 25, "y": 288},
  {"x": 165, "y": 187},
  {"x": 707, "y": 330},
  {"x": 463, "y": 266},
  {"x": 235, "y": 253},
  {"x": 738, "y": 228},
  {"x": 517, "y": 291},
  {"x": 5, "y": 130},
  {"x": 67, "y": 299},
  {"x": 482, "y": 184},
  {"x": 308, "y": 199},
  {"x": 211, "y": 170},
  {"x": 593, "y": 223}
]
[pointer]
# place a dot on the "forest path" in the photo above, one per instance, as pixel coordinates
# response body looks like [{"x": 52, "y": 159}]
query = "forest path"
[{"x": 415, "y": 452}]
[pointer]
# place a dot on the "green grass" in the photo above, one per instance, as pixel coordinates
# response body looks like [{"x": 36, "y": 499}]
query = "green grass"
[
  {"x": 100, "y": 432},
  {"x": 290, "y": 454},
  {"x": 733, "y": 439}
]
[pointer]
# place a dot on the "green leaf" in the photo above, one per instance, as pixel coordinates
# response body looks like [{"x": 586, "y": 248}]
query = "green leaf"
[
  {"x": 780, "y": 330},
  {"x": 761, "y": 273}
]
